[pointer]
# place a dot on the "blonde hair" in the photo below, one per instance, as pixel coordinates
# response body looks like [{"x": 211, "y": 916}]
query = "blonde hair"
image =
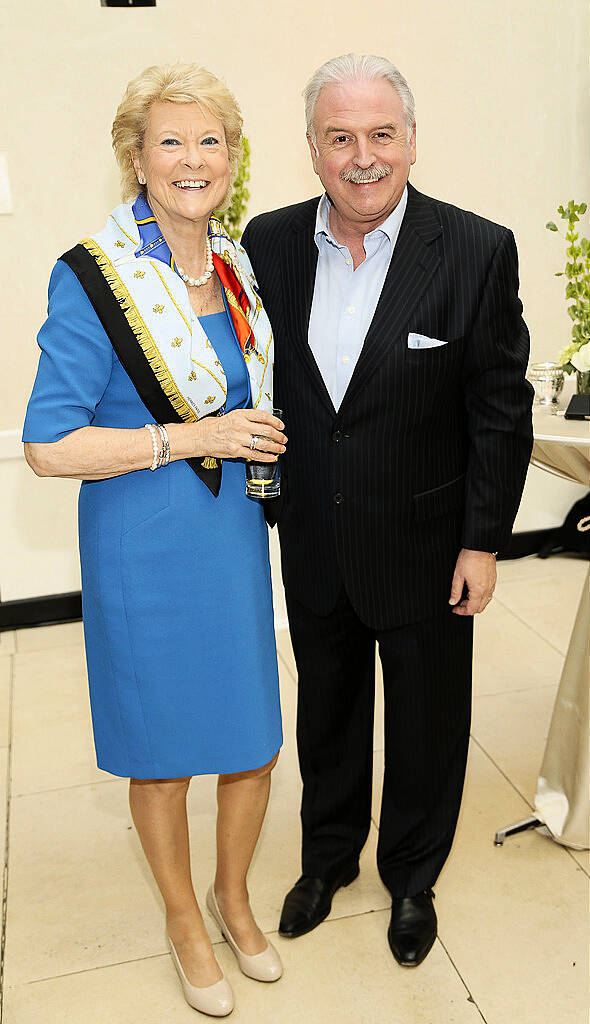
[{"x": 172, "y": 83}]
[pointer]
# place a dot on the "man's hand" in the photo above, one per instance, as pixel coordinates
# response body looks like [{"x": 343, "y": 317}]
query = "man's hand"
[{"x": 475, "y": 570}]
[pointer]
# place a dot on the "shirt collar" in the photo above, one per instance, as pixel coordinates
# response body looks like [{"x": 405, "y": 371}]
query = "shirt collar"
[
  {"x": 151, "y": 240},
  {"x": 390, "y": 227}
]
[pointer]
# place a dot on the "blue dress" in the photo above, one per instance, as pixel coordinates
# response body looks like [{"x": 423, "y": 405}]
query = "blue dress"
[{"x": 176, "y": 592}]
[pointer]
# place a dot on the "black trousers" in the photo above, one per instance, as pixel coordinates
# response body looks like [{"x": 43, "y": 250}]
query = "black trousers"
[{"x": 427, "y": 669}]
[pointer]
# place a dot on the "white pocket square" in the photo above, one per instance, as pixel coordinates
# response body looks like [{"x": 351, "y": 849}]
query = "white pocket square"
[{"x": 423, "y": 341}]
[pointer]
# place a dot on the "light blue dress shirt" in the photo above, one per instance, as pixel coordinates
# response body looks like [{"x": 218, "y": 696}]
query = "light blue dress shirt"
[{"x": 345, "y": 299}]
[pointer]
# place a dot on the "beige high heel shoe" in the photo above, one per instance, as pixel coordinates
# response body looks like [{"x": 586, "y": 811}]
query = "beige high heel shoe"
[
  {"x": 217, "y": 1000},
  {"x": 264, "y": 966}
]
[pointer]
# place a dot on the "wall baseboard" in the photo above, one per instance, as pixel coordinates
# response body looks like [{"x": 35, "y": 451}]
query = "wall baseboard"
[
  {"x": 40, "y": 611},
  {"x": 57, "y": 608},
  {"x": 54, "y": 610}
]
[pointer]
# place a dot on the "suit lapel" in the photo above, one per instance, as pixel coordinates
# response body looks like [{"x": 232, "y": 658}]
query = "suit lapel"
[
  {"x": 298, "y": 279},
  {"x": 414, "y": 261}
]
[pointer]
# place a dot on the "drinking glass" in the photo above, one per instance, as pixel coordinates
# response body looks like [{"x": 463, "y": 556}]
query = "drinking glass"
[{"x": 263, "y": 479}]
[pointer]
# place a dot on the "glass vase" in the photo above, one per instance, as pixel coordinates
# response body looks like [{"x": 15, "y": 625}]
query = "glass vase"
[{"x": 583, "y": 382}]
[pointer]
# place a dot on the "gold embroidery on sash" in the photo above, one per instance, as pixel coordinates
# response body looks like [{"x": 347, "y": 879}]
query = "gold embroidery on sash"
[
  {"x": 139, "y": 328},
  {"x": 209, "y": 345},
  {"x": 209, "y": 462},
  {"x": 171, "y": 296},
  {"x": 123, "y": 232}
]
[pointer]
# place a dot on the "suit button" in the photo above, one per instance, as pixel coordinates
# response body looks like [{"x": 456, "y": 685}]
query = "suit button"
[
  {"x": 338, "y": 498},
  {"x": 337, "y": 436}
]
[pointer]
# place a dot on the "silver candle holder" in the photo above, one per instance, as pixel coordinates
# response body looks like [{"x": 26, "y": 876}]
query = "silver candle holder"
[{"x": 547, "y": 380}]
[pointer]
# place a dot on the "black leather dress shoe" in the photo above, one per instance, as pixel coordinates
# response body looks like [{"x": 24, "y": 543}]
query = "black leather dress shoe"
[
  {"x": 310, "y": 901},
  {"x": 412, "y": 929}
]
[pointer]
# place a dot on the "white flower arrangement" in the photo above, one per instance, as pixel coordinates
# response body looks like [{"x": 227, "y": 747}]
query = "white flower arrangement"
[{"x": 581, "y": 359}]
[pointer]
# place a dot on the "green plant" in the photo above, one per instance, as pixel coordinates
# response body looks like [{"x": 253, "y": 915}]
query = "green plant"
[
  {"x": 577, "y": 289},
  {"x": 234, "y": 215}
]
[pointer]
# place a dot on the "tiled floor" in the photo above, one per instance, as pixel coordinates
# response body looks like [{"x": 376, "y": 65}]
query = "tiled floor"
[{"x": 85, "y": 941}]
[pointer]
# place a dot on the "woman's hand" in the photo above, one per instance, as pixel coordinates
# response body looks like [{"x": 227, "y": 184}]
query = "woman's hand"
[
  {"x": 230, "y": 436},
  {"x": 97, "y": 453}
]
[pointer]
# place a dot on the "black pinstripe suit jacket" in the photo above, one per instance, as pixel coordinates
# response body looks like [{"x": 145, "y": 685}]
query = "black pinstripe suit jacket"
[{"x": 429, "y": 449}]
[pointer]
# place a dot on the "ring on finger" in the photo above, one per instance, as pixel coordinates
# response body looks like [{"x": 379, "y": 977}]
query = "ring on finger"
[{"x": 253, "y": 442}]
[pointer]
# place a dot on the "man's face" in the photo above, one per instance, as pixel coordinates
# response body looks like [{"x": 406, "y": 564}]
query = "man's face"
[{"x": 361, "y": 133}]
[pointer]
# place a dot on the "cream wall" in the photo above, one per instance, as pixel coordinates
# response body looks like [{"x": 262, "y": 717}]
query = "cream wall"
[{"x": 503, "y": 129}]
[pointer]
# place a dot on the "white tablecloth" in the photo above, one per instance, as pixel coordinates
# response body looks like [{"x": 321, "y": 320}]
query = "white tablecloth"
[{"x": 562, "y": 800}]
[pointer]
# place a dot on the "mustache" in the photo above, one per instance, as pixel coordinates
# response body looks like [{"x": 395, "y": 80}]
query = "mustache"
[{"x": 363, "y": 175}]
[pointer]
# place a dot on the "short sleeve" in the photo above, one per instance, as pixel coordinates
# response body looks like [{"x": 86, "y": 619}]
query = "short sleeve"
[{"x": 75, "y": 363}]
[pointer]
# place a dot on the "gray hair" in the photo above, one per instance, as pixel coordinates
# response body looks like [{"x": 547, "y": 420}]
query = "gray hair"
[{"x": 355, "y": 67}]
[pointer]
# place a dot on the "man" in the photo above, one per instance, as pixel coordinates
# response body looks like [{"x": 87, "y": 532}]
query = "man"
[{"x": 400, "y": 360}]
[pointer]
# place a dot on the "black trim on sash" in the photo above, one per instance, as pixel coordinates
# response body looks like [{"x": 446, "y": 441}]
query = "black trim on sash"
[{"x": 129, "y": 351}]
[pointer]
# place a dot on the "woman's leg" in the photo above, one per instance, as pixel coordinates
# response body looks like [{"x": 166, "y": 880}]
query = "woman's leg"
[
  {"x": 241, "y": 801},
  {"x": 158, "y": 808}
]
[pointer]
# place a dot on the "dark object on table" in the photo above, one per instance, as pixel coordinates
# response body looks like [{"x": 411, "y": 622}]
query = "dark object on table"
[
  {"x": 127, "y": 3},
  {"x": 579, "y": 408},
  {"x": 574, "y": 534}
]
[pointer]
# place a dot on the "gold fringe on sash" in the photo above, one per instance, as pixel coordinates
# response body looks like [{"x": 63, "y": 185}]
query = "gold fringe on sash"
[{"x": 141, "y": 332}]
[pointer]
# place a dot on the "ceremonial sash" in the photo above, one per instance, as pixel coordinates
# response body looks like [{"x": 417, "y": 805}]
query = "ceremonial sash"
[{"x": 144, "y": 308}]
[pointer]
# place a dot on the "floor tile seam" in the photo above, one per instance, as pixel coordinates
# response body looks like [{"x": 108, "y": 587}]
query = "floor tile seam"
[
  {"x": 536, "y": 579},
  {"x": 26, "y": 631},
  {"x": 78, "y": 645},
  {"x": 156, "y": 956},
  {"x": 532, "y": 629},
  {"x": 530, "y": 805},
  {"x": 77, "y": 785},
  {"x": 526, "y": 689},
  {"x": 287, "y": 666},
  {"x": 6, "y": 852},
  {"x": 502, "y": 772},
  {"x": 570, "y": 851},
  {"x": 108, "y": 966},
  {"x": 92, "y": 970},
  {"x": 462, "y": 980}
]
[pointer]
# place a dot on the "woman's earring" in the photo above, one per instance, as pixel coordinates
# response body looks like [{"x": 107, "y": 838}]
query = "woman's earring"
[{"x": 141, "y": 181}]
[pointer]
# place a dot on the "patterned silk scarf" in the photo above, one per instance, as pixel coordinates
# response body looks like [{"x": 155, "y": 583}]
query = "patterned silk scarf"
[{"x": 137, "y": 264}]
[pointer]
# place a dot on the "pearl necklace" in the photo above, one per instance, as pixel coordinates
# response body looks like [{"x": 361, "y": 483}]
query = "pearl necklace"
[{"x": 196, "y": 282}]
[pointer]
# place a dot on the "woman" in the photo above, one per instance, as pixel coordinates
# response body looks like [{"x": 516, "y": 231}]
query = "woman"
[{"x": 154, "y": 385}]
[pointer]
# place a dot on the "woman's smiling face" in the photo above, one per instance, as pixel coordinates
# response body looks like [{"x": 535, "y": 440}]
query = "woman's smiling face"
[{"x": 184, "y": 161}]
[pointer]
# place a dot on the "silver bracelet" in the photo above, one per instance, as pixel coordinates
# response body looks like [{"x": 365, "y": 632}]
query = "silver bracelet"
[
  {"x": 155, "y": 446},
  {"x": 165, "y": 452}
]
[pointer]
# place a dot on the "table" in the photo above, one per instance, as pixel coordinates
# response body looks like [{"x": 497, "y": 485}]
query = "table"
[{"x": 562, "y": 798}]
